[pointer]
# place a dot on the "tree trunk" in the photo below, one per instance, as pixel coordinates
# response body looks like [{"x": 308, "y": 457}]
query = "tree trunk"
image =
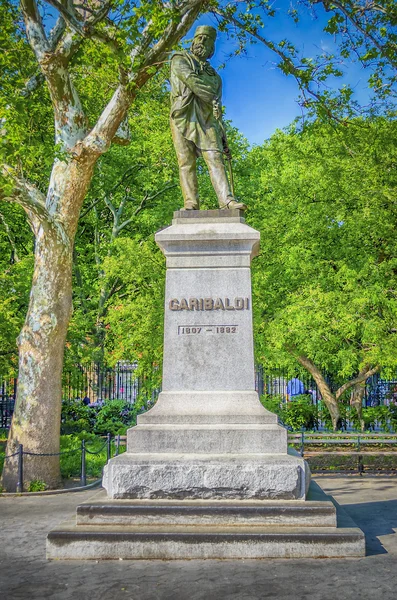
[
  {"x": 37, "y": 415},
  {"x": 36, "y": 421},
  {"x": 356, "y": 400},
  {"x": 324, "y": 388}
]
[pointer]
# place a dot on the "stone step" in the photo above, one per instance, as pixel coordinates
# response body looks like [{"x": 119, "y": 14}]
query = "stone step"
[
  {"x": 208, "y": 439},
  {"x": 165, "y": 543},
  {"x": 200, "y": 513}
]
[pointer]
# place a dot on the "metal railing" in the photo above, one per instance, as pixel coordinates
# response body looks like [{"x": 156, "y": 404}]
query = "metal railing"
[
  {"x": 84, "y": 449},
  {"x": 353, "y": 443}
]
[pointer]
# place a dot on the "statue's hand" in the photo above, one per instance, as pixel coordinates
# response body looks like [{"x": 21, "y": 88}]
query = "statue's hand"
[{"x": 226, "y": 151}]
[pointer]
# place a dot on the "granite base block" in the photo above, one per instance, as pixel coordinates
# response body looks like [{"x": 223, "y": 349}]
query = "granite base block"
[{"x": 173, "y": 476}]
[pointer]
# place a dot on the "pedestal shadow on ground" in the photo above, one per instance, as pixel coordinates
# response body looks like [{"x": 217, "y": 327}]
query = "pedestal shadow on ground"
[{"x": 375, "y": 519}]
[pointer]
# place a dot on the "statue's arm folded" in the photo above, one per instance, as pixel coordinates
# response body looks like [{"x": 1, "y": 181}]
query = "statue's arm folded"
[{"x": 182, "y": 68}]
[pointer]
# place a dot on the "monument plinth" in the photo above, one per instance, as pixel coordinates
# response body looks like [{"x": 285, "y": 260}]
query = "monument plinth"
[
  {"x": 207, "y": 473},
  {"x": 208, "y": 436}
]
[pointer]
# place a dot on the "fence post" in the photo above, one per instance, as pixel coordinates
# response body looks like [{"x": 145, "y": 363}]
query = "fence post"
[
  {"x": 302, "y": 442},
  {"x": 117, "y": 444},
  {"x": 20, "y": 469},
  {"x": 358, "y": 444},
  {"x": 108, "y": 448},
  {"x": 360, "y": 465},
  {"x": 83, "y": 477}
]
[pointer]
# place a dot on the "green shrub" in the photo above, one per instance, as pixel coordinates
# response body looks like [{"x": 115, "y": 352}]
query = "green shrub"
[
  {"x": 298, "y": 413},
  {"x": 76, "y": 417},
  {"x": 273, "y": 403},
  {"x": 114, "y": 417},
  {"x": 36, "y": 485},
  {"x": 392, "y": 415}
]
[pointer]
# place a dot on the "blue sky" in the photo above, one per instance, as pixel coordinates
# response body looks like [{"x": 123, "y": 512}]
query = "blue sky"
[{"x": 258, "y": 98}]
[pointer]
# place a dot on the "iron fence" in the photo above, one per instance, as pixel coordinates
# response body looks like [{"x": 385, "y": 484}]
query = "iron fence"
[{"x": 96, "y": 383}]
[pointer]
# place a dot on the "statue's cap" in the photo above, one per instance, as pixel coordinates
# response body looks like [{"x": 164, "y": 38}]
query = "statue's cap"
[{"x": 206, "y": 30}]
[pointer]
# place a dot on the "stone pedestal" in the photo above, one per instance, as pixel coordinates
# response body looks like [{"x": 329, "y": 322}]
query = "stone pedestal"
[
  {"x": 207, "y": 473},
  {"x": 208, "y": 436}
]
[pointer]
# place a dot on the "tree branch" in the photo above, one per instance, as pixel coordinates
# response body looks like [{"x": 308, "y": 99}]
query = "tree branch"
[
  {"x": 364, "y": 31},
  {"x": 322, "y": 385},
  {"x": 292, "y": 68},
  {"x": 33, "y": 202},
  {"x": 34, "y": 29},
  {"x": 25, "y": 194},
  {"x": 362, "y": 376},
  {"x": 100, "y": 138},
  {"x": 69, "y": 17}
]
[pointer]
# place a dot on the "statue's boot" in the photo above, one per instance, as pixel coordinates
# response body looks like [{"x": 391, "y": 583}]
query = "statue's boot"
[
  {"x": 191, "y": 205},
  {"x": 232, "y": 204}
]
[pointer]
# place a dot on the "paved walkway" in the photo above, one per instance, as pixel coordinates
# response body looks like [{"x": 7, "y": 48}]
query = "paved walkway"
[{"x": 26, "y": 575}]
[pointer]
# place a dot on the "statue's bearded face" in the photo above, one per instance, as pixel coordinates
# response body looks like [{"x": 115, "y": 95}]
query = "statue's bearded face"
[{"x": 203, "y": 46}]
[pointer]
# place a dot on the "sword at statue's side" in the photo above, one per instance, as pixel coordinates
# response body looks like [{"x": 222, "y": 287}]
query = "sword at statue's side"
[
  {"x": 217, "y": 111},
  {"x": 230, "y": 170}
]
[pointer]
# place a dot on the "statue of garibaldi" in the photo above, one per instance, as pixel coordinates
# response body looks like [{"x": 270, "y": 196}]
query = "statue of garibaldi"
[{"x": 196, "y": 120}]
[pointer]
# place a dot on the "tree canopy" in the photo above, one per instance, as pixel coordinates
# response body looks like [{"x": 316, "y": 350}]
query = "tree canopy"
[{"x": 325, "y": 282}]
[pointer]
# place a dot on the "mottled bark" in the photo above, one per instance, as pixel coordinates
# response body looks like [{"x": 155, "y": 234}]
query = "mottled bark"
[
  {"x": 36, "y": 420},
  {"x": 357, "y": 386}
]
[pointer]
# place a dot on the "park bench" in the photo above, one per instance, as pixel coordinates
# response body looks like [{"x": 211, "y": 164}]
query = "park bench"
[{"x": 341, "y": 439}]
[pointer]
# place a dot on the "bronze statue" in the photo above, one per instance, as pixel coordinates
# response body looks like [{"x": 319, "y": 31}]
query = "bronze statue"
[{"x": 196, "y": 120}]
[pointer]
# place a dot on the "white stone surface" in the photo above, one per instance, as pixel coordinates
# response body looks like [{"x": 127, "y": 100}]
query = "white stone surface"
[
  {"x": 237, "y": 476},
  {"x": 208, "y": 260},
  {"x": 208, "y": 407},
  {"x": 153, "y": 512},
  {"x": 216, "y": 438},
  {"x": 202, "y": 543},
  {"x": 207, "y": 529}
]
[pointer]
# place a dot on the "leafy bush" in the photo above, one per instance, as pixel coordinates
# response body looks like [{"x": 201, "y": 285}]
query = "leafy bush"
[
  {"x": 114, "y": 417},
  {"x": 298, "y": 413},
  {"x": 273, "y": 403},
  {"x": 301, "y": 412},
  {"x": 392, "y": 416},
  {"x": 36, "y": 485},
  {"x": 76, "y": 417}
]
